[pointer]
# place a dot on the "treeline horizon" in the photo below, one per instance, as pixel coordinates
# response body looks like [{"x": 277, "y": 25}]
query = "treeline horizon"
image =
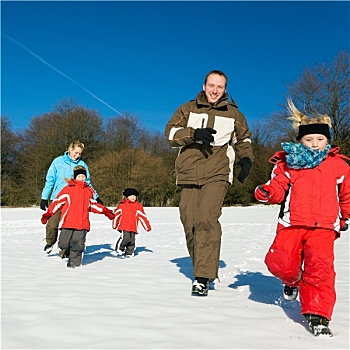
[{"x": 121, "y": 153}]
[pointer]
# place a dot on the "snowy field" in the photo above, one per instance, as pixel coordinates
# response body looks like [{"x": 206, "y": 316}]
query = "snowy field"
[{"x": 145, "y": 302}]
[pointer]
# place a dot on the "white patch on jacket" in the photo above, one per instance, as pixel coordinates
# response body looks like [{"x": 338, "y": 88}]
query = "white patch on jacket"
[{"x": 224, "y": 128}]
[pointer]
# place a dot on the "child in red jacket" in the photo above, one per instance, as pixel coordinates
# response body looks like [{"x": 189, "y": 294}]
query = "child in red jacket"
[
  {"x": 128, "y": 215},
  {"x": 75, "y": 200},
  {"x": 311, "y": 180}
]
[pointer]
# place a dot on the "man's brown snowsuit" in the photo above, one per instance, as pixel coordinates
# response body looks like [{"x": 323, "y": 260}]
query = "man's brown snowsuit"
[{"x": 204, "y": 173}]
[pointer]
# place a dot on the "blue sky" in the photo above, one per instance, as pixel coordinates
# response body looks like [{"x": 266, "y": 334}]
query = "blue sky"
[{"x": 148, "y": 57}]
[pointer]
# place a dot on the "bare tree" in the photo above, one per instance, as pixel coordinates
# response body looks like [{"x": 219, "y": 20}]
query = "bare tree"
[
  {"x": 110, "y": 173},
  {"x": 9, "y": 150},
  {"x": 122, "y": 133},
  {"x": 48, "y": 136},
  {"x": 153, "y": 142},
  {"x": 326, "y": 90},
  {"x": 152, "y": 177},
  {"x": 132, "y": 168},
  {"x": 10, "y": 176}
]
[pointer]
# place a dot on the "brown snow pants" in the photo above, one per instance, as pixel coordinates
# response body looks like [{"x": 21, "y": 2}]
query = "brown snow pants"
[
  {"x": 200, "y": 209},
  {"x": 52, "y": 228}
]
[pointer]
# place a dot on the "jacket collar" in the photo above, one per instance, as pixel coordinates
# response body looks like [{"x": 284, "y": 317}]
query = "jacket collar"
[
  {"x": 202, "y": 100},
  {"x": 127, "y": 201},
  {"x": 335, "y": 152},
  {"x": 81, "y": 184},
  {"x": 281, "y": 155},
  {"x": 68, "y": 159}
]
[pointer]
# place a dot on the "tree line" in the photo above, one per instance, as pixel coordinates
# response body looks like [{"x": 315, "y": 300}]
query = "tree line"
[{"x": 121, "y": 153}]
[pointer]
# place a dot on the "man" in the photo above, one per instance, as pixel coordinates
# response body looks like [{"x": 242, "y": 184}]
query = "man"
[{"x": 210, "y": 131}]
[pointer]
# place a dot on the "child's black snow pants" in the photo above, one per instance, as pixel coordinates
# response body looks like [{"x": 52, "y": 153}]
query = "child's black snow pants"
[{"x": 73, "y": 241}]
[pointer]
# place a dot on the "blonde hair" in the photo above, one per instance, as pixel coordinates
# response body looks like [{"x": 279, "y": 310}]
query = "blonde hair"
[
  {"x": 299, "y": 118},
  {"x": 75, "y": 144}
]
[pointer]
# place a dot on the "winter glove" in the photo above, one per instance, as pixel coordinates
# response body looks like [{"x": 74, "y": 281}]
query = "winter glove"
[
  {"x": 98, "y": 200},
  {"x": 261, "y": 194},
  {"x": 45, "y": 217},
  {"x": 343, "y": 225},
  {"x": 44, "y": 204},
  {"x": 109, "y": 213},
  {"x": 204, "y": 135},
  {"x": 245, "y": 164},
  {"x": 267, "y": 193}
]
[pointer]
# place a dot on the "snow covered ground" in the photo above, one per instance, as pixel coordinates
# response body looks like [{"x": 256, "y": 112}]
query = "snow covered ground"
[{"x": 145, "y": 302}]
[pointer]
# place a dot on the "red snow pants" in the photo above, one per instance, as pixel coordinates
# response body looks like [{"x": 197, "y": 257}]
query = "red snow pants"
[{"x": 304, "y": 257}]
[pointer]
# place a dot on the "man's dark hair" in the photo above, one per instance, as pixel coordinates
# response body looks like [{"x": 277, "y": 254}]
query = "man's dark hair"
[{"x": 218, "y": 72}]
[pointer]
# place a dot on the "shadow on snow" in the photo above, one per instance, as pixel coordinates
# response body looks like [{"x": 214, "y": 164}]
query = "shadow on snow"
[
  {"x": 263, "y": 289},
  {"x": 185, "y": 266},
  {"x": 269, "y": 290},
  {"x": 98, "y": 252}
]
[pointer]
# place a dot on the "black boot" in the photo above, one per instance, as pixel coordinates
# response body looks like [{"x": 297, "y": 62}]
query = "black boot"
[
  {"x": 200, "y": 286},
  {"x": 290, "y": 293},
  {"x": 64, "y": 253},
  {"x": 48, "y": 248},
  {"x": 318, "y": 325}
]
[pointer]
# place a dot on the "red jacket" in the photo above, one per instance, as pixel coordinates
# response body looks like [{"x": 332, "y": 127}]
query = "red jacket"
[
  {"x": 76, "y": 201},
  {"x": 128, "y": 215},
  {"x": 316, "y": 197}
]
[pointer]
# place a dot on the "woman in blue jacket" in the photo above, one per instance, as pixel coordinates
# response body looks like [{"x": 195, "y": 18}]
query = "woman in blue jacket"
[{"x": 60, "y": 169}]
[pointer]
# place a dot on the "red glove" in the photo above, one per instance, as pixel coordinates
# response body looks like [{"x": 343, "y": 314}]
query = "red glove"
[
  {"x": 109, "y": 213},
  {"x": 261, "y": 193},
  {"x": 267, "y": 193},
  {"x": 46, "y": 216}
]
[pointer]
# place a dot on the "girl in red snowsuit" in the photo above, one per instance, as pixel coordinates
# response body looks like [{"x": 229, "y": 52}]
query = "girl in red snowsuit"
[
  {"x": 128, "y": 215},
  {"x": 311, "y": 180},
  {"x": 75, "y": 201}
]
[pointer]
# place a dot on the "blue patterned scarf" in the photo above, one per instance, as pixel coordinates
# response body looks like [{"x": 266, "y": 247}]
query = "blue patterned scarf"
[{"x": 303, "y": 157}]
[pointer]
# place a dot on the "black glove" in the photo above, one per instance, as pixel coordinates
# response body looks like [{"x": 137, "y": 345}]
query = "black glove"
[
  {"x": 44, "y": 204},
  {"x": 204, "y": 135},
  {"x": 245, "y": 164},
  {"x": 345, "y": 227},
  {"x": 98, "y": 200},
  {"x": 343, "y": 224}
]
